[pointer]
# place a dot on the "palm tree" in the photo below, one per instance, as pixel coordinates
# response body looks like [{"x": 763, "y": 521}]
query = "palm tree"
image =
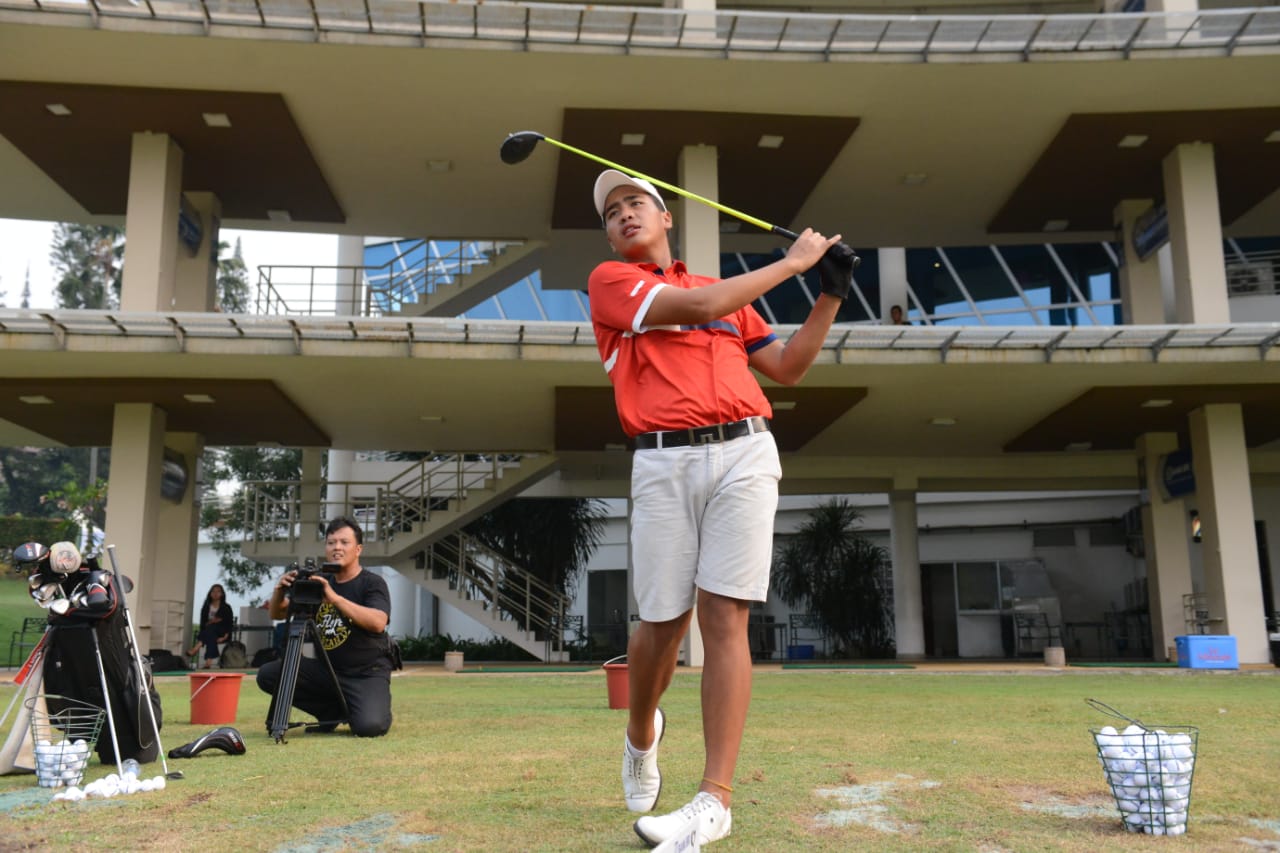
[{"x": 840, "y": 578}]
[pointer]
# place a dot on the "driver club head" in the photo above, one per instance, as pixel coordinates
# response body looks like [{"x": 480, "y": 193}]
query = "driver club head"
[
  {"x": 225, "y": 738},
  {"x": 29, "y": 552},
  {"x": 517, "y": 147}
]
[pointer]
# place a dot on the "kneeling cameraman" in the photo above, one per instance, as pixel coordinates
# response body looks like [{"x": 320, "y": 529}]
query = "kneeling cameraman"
[{"x": 352, "y": 622}]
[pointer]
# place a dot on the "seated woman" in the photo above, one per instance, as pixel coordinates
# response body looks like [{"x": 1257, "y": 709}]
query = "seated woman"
[{"x": 215, "y": 625}]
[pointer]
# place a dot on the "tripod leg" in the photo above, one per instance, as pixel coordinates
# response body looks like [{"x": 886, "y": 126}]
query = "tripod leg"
[
  {"x": 282, "y": 701},
  {"x": 333, "y": 676}
]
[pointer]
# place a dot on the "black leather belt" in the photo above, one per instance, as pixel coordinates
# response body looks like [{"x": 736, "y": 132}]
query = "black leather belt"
[{"x": 701, "y": 435}]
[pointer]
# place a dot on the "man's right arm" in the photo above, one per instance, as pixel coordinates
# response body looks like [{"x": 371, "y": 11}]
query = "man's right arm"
[{"x": 694, "y": 306}]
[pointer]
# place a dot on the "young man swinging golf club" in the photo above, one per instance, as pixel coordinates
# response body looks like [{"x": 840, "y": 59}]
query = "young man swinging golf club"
[{"x": 679, "y": 349}]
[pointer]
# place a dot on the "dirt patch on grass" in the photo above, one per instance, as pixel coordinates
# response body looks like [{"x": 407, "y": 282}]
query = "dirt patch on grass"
[{"x": 873, "y": 805}]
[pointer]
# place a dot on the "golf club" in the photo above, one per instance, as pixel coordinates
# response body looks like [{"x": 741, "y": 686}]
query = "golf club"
[
  {"x": 517, "y": 147},
  {"x": 142, "y": 672}
]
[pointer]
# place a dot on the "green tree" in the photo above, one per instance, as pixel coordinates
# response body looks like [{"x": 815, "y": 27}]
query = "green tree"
[
  {"x": 552, "y": 538},
  {"x": 233, "y": 280},
  {"x": 225, "y": 518},
  {"x": 27, "y": 474},
  {"x": 841, "y": 578},
  {"x": 89, "y": 262}
]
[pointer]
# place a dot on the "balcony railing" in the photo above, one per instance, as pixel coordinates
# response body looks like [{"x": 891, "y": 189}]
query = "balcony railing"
[
  {"x": 651, "y": 29},
  {"x": 371, "y": 291}
]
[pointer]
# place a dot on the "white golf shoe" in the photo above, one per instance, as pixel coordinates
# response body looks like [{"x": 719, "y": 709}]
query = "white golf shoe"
[
  {"x": 703, "y": 820},
  {"x": 641, "y": 779}
]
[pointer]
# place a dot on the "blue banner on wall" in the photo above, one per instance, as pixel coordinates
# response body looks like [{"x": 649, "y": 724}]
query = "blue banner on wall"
[
  {"x": 190, "y": 228},
  {"x": 1151, "y": 231},
  {"x": 1177, "y": 476}
]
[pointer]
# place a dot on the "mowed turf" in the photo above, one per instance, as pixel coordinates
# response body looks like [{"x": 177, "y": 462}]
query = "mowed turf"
[{"x": 833, "y": 760}]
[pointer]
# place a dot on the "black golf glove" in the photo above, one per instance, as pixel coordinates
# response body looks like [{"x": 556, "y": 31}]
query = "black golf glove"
[{"x": 835, "y": 271}]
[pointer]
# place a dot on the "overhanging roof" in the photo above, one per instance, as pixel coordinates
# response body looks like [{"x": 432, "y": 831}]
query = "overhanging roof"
[{"x": 874, "y": 393}]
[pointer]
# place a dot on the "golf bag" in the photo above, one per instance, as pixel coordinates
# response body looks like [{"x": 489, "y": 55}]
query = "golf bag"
[{"x": 71, "y": 669}]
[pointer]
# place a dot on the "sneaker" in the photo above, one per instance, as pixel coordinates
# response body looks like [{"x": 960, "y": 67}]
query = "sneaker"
[
  {"x": 641, "y": 779},
  {"x": 705, "y": 817}
]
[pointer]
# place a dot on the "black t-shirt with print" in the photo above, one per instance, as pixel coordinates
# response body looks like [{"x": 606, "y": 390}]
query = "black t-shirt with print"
[{"x": 353, "y": 650}]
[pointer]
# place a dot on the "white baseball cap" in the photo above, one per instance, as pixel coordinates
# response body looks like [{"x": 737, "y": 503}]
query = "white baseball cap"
[{"x": 611, "y": 179}]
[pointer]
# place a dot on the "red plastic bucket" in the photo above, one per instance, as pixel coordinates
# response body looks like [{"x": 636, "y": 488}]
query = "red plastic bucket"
[
  {"x": 615, "y": 675},
  {"x": 214, "y": 696}
]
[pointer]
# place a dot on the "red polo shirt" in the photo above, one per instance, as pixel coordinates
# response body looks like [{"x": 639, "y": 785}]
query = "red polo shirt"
[{"x": 672, "y": 377}]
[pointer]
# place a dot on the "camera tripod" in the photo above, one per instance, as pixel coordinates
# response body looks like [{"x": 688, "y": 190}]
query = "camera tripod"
[{"x": 300, "y": 628}]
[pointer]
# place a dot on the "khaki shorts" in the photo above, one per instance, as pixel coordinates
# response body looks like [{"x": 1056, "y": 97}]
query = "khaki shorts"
[{"x": 702, "y": 518}]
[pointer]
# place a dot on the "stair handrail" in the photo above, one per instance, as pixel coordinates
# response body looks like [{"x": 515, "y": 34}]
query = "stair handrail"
[
  {"x": 481, "y": 573},
  {"x": 385, "y": 287},
  {"x": 282, "y": 510}
]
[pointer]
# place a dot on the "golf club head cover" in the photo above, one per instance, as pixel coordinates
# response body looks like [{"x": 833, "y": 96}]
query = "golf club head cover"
[
  {"x": 835, "y": 271},
  {"x": 224, "y": 738}
]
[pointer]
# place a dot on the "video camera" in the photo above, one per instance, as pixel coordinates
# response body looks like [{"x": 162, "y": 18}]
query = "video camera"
[{"x": 307, "y": 594}]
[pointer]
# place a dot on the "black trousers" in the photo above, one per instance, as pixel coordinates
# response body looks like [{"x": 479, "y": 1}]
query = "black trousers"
[
  {"x": 209, "y": 636},
  {"x": 368, "y": 695}
]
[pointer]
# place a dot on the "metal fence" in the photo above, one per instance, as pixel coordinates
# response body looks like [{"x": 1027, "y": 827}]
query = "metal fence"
[{"x": 640, "y": 29}]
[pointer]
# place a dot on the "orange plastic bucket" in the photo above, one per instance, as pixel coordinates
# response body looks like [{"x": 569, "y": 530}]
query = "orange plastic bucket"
[
  {"x": 615, "y": 675},
  {"x": 214, "y": 697}
]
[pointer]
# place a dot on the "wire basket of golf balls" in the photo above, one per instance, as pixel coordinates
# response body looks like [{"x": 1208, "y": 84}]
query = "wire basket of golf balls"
[
  {"x": 1149, "y": 770},
  {"x": 63, "y": 739}
]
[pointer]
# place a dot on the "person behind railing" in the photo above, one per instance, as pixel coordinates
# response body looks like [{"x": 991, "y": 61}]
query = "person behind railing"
[
  {"x": 352, "y": 622},
  {"x": 216, "y": 622}
]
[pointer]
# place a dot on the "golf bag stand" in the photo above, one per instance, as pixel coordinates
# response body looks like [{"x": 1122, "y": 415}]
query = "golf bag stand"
[{"x": 301, "y": 627}]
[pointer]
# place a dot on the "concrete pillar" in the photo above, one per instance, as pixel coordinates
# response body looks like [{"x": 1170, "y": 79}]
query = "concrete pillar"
[
  {"x": 698, "y": 225},
  {"x": 133, "y": 504},
  {"x": 699, "y": 228},
  {"x": 173, "y": 595},
  {"x": 699, "y": 25},
  {"x": 196, "y": 286},
  {"x": 151, "y": 224},
  {"x": 311, "y": 515},
  {"x": 336, "y": 500},
  {"x": 1195, "y": 235},
  {"x": 1232, "y": 581},
  {"x": 1164, "y": 537},
  {"x": 908, "y": 601},
  {"x": 349, "y": 294},
  {"x": 1141, "y": 288},
  {"x": 893, "y": 281}
]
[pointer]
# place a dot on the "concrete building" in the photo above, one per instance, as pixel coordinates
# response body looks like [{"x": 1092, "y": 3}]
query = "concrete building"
[{"x": 960, "y": 125}]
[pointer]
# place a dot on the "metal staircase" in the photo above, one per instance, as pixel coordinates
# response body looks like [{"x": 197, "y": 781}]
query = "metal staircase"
[
  {"x": 411, "y": 522},
  {"x": 436, "y": 278},
  {"x": 284, "y": 521},
  {"x": 505, "y": 264},
  {"x": 461, "y": 572}
]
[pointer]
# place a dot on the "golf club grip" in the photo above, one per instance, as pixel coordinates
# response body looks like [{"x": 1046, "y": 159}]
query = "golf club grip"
[{"x": 793, "y": 236}]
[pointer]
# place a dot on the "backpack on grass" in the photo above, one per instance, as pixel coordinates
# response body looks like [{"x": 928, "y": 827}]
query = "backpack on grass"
[{"x": 234, "y": 656}]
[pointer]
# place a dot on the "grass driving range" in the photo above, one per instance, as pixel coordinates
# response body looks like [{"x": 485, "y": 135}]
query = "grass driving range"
[{"x": 917, "y": 759}]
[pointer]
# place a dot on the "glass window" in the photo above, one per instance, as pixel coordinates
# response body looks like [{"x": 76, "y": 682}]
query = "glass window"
[
  {"x": 518, "y": 303},
  {"x": 487, "y": 310},
  {"x": 977, "y": 586},
  {"x": 564, "y": 305}
]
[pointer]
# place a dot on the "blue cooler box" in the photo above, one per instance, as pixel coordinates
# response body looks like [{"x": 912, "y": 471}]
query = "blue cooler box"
[{"x": 1207, "y": 651}]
